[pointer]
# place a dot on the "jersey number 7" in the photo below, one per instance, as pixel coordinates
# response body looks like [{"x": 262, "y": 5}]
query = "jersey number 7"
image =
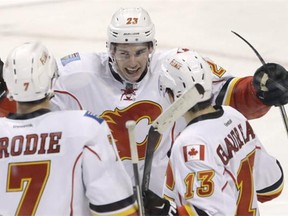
[{"x": 35, "y": 174}]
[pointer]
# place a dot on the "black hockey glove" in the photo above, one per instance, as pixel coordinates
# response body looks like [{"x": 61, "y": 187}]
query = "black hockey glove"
[
  {"x": 271, "y": 84},
  {"x": 3, "y": 88},
  {"x": 155, "y": 205}
]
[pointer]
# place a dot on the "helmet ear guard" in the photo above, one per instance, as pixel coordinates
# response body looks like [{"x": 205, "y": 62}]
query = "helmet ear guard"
[
  {"x": 184, "y": 71},
  {"x": 29, "y": 71}
]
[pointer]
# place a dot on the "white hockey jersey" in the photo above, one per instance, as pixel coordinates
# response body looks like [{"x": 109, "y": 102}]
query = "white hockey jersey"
[
  {"x": 86, "y": 82},
  {"x": 219, "y": 165},
  {"x": 61, "y": 163}
]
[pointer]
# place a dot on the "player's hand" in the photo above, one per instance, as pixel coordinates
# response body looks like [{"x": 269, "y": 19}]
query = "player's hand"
[
  {"x": 155, "y": 205},
  {"x": 271, "y": 84}
]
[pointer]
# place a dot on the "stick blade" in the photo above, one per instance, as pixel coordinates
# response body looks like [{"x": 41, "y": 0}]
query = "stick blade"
[{"x": 187, "y": 100}]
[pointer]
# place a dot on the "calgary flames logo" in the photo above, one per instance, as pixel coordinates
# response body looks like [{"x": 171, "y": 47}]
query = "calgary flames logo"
[{"x": 116, "y": 120}]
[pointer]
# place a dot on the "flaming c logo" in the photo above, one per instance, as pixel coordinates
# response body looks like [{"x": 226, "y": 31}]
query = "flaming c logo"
[{"x": 116, "y": 120}]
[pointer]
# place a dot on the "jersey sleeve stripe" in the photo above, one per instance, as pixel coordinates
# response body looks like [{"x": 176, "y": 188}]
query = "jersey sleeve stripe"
[
  {"x": 272, "y": 191},
  {"x": 191, "y": 211},
  {"x": 222, "y": 93},
  {"x": 229, "y": 90},
  {"x": 116, "y": 206},
  {"x": 226, "y": 91}
]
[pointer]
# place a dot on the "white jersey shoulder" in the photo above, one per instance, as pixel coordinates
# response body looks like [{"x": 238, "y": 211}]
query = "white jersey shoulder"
[
  {"x": 63, "y": 159},
  {"x": 82, "y": 62}
]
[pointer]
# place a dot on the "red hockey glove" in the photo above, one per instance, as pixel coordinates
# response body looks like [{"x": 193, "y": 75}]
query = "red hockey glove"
[{"x": 271, "y": 84}]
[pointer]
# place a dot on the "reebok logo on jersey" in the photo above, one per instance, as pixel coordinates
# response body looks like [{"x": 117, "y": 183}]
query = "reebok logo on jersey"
[{"x": 194, "y": 152}]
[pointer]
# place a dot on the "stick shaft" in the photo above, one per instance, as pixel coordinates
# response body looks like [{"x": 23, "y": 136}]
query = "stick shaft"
[
  {"x": 130, "y": 125},
  {"x": 153, "y": 139},
  {"x": 284, "y": 117}
]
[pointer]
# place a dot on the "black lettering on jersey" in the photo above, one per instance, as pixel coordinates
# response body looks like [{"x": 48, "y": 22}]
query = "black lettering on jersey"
[
  {"x": 30, "y": 144},
  {"x": 91, "y": 115},
  {"x": 234, "y": 142}
]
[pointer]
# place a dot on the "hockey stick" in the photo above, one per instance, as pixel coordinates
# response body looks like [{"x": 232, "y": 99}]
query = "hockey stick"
[
  {"x": 282, "y": 109},
  {"x": 187, "y": 100},
  {"x": 130, "y": 125}
]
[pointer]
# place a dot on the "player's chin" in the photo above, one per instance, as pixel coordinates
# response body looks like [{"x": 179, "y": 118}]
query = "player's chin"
[{"x": 133, "y": 77}]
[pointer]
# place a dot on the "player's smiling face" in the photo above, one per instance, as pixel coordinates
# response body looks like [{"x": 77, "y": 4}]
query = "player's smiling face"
[{"x": 132, "y": 60}]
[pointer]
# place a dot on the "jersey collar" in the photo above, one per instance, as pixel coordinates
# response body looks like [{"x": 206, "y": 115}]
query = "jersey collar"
[
  {"x": 28, "y": 115},
  {"x": 218, "y": 113}
]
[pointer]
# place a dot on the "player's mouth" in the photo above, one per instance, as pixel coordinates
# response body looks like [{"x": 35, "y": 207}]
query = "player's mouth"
[{"x": 131, "y": 71}]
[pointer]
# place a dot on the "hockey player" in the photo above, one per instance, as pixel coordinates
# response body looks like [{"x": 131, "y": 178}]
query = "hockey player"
[
  {"x": 122, "y": 85},
  {"x": 217, "y": 165},
  {"x": 55, "y": 163}
]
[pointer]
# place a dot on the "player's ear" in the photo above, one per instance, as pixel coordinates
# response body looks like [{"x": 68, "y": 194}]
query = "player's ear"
[
  {"x": 150, "y": 47},
  {"x": 112, "y": 49},
  {"x": 170, "y": 95}
]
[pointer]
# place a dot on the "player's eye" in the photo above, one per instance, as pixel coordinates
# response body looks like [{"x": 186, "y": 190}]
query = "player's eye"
[
  {"x": 124, "y": 53},
  {"x": 140, "y": 52}
]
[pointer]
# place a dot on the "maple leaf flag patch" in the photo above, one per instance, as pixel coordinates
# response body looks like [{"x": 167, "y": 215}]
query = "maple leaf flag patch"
[{"x": 194, "y": 152}]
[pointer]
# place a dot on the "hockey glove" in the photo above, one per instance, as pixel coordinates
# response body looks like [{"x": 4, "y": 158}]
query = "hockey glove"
[
  {"x": 271, "y": 84},
  {"x": 155, "y": 205},
  {"x": 3, "y": 88}
]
